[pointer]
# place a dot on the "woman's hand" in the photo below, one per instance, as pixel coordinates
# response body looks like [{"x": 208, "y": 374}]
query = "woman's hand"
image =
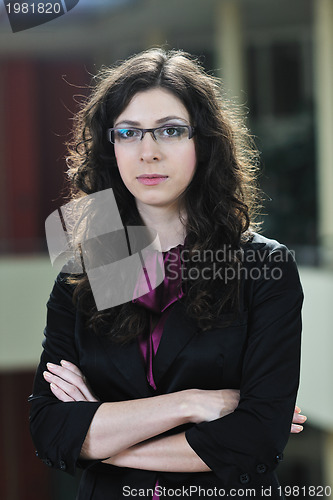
[
  {"x": 68, "y": 383},
  {"x": 297, "y": 419}
]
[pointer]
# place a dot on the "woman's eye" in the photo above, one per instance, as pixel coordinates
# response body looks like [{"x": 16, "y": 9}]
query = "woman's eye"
[
  {"x": 126, "y": 133},
  {"x": 172, "y": 131}
]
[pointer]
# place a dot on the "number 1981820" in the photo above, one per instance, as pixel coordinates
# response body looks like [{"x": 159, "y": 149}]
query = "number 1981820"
[
  {"x": 34, "y": 8},
  {"x": 306, "y": 491}
]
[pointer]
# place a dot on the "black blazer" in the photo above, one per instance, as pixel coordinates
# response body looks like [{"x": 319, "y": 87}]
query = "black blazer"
[{"x": 258, "y": 353}]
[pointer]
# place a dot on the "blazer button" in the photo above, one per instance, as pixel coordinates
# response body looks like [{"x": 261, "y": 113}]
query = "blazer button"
[
  {"x": 47, "y": 462},
  {"x": 261, "y": 468},
  {"x": 244, "y": 478},
  {"x": 62, "y": 465},
  {"x": 36, "y": 453},
  {"x": 279, "y": 457}
]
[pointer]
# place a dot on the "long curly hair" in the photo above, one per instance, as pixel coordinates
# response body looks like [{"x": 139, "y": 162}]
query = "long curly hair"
[{"x": 221, "y": 202}]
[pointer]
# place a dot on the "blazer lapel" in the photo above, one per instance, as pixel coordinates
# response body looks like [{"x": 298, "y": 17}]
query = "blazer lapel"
[{"x": 178, "y": 331}]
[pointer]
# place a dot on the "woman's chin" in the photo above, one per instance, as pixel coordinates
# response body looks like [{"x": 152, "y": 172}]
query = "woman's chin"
[{"x": 154, "y": 201}]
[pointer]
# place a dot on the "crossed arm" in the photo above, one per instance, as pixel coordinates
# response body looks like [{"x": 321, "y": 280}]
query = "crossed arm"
[{"x": 137, "y": 424}]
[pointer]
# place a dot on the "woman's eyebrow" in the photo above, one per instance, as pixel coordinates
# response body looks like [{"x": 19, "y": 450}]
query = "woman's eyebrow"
[
  {"x": 128, "y": 122},
  {"x": 167, "y": 118},
  {"x": 160, "y": 120}
]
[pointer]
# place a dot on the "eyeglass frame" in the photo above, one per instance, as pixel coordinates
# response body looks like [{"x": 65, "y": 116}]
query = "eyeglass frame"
[{"x": 191, "y": 131}]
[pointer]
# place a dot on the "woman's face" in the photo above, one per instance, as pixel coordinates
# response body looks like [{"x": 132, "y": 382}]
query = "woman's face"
[{"x": 172, "y": 164}]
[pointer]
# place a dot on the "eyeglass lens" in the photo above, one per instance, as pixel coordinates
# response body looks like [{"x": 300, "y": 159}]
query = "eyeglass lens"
[{"x": 162, "y": 134}]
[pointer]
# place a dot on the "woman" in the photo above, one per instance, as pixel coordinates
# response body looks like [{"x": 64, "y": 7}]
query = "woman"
[{"x": 192, "y": 385}]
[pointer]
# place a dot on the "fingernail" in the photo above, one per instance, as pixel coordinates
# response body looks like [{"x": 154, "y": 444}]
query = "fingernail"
[
  {"x": 299, "y": 428},
  {"x": 303, "y": 418},
  {"x": 47, "y": 374},
  {"x": 64, "y": 363},
  {"x": 50, "y": 365}
]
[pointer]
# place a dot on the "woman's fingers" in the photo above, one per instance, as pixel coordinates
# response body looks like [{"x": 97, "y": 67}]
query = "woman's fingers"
[
  {"x": 60, "y": 394},
  {"x": 68, "y": 388},
  {"x": 295, "y": 429},
  {"x": 85, "y": 388},
  {"x": 75, "y": 384},
  {"x": 298, "y": 419},
  {"x": 71, "y": 367}
]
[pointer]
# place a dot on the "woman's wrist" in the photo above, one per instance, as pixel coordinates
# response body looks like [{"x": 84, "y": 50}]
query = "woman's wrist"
[
  {"x": 187, "y": 405},
  {"x": 199, "y": 405}
]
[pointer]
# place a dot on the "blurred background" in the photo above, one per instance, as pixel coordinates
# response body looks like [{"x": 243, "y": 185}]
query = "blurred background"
[{"x": 275, "y": 57}]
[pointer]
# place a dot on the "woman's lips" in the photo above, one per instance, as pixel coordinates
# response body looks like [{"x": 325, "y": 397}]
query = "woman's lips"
[{"x": 151, "y": 180}]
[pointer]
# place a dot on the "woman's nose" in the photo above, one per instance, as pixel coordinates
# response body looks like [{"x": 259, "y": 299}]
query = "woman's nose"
[{"x": 149, "y": 148}]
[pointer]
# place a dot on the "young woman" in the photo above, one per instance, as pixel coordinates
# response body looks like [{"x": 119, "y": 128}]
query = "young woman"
[{"x": 189, "y": 389}]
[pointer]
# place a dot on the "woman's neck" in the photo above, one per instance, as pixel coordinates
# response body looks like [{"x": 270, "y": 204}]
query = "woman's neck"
[{"x": 167, "y": 221}]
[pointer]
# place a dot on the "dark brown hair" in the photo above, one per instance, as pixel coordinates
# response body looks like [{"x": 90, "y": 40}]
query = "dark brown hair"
[{"x": 220, "y": 202}]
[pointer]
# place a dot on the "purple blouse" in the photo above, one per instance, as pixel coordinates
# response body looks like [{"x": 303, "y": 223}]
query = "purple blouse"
[{"x": 158, "y": 301}]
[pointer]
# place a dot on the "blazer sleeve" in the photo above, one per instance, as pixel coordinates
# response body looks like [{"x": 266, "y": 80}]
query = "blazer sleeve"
[
  {"x": 59, "y": 428},
  {"x": 246, "y": 445}
]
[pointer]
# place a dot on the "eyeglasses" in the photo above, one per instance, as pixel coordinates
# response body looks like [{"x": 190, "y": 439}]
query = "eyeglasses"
[{"x": 167, "y": 134}]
